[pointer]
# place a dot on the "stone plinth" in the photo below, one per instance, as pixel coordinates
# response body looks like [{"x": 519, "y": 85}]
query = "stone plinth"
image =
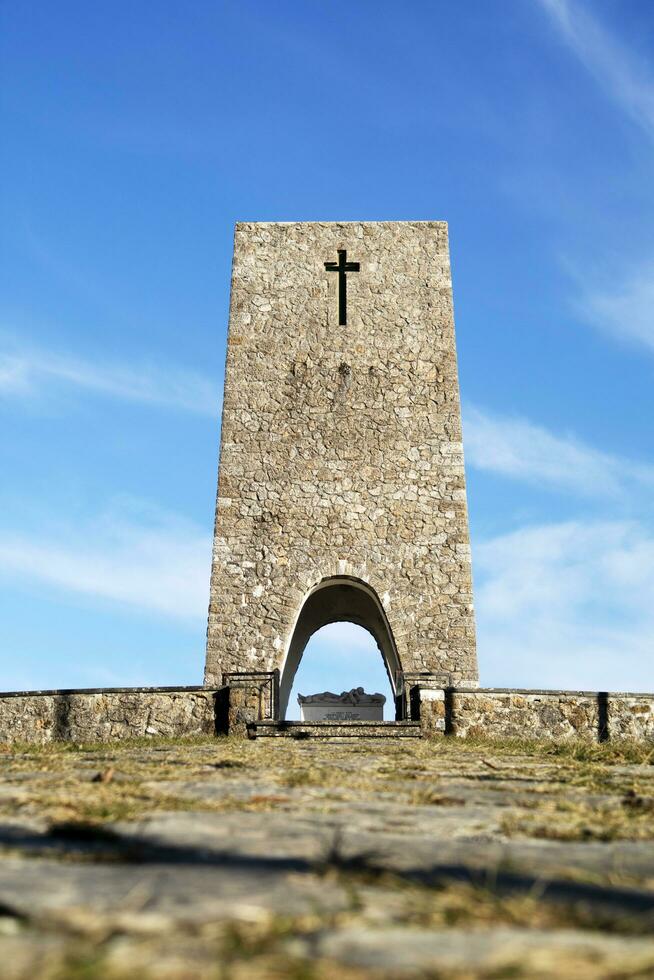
[{"x": 354, "y": 705}]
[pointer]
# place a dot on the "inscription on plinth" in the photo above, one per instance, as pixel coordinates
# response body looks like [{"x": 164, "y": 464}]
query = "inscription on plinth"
[{"x": 354, "y": 705}]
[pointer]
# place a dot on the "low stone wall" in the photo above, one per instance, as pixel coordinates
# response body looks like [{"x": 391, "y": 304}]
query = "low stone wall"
[
  {"x": 520, "y": 713},
  {"x": 107, "y": 714},
  {"x": 631, "y": 715},
  {"x": 102, "y": 715},
  {"x": 510, "y": 713}
]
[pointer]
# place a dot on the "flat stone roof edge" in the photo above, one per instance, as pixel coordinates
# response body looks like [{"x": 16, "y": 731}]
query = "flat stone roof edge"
[
  {"x": 554, "y": 691},
  {"x": 360, "y": 221},
  {"x": 191, "y": 689},
  {"x": 180, "y": 689}
]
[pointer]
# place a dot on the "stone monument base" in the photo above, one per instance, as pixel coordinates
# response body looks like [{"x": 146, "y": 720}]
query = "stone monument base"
[{"x": 354, "y": 705}]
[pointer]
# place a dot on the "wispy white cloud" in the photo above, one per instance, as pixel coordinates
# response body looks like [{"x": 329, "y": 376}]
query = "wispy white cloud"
[
  {"x": 344, "y": 640},
  {"x": 567, "y": 605},
  {"x": 628, "y": 80},
  {"x": 519, "y": 449},
  {"x": 624, "y": 309},
  {"x": 26, "y": 373},
  {"x": 153, "y": 561}
]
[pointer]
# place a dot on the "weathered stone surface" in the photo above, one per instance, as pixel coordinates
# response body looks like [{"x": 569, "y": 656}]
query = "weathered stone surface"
[
  {"x": 246, "y": 699},
  {"x": 631, "y": 715},
  {"x": 542, "y": 714},
  {"x": 354, "y": 696},
  {"x": 432, "y": 712},
  {"x": 341, "y": 453},
  {"x": 353, "y": 705},
  {"x": 105, "y": 715},
  {"x": 259, "y": 860},
  {"x": 114, "y": 714},
  {"x": 339, "y": 729},
  {"x": 502, "y": 952}
]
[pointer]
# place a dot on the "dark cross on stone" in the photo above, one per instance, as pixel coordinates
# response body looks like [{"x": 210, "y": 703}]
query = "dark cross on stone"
[{"x": 342, "y": 267}]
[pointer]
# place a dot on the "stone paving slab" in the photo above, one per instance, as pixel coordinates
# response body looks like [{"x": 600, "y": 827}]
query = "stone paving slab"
[
  {"x": 252, "y": 860},
  {"x": 176, "y": 893},
  {"x": 502, "y": 951}
]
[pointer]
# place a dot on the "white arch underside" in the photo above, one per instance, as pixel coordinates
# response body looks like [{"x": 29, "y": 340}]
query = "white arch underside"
[{"x": 333, "y": 600}]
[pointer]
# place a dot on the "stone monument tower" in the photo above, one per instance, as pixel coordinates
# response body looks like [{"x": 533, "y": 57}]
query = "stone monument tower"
[{"x": 341, "y": 492}]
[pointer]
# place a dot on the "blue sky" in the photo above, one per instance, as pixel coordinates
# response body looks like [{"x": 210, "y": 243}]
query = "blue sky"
[{"x": 136, "y": 134}]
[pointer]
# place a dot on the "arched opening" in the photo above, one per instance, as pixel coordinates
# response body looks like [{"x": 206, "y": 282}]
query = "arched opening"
[
  {"x": 337, "y": 658},
  {"x": 339, "y": 600}
]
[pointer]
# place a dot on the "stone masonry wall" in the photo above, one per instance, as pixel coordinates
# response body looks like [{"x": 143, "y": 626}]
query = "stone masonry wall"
[
  {"x": 523, "y": 714},
  {"x": 113, "y": 714},
  {"x": 631, "y": 715},
  {"x": 537, "y": 714},
  {"x": 341, "y": 446},
  {"x": 100, "y": 716}
]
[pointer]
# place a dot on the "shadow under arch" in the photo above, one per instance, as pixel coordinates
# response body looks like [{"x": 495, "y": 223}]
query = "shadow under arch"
[{"x": 339, "y": 599}]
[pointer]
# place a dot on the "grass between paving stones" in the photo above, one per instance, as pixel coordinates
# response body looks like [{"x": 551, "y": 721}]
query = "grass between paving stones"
[
  {"x": 238, "y": 956},
  {"x": 551, "y": 783},
  {"x": 281, "y": 966},
  {"x": 567, "y": 791},
  {"x": 282, "y": 946},
  {"x": 237, "y": 752},
  {"x": 478, "y": 906},
  {"x": 75, "y": 801},
  {"x": 566, "y": 820}
]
